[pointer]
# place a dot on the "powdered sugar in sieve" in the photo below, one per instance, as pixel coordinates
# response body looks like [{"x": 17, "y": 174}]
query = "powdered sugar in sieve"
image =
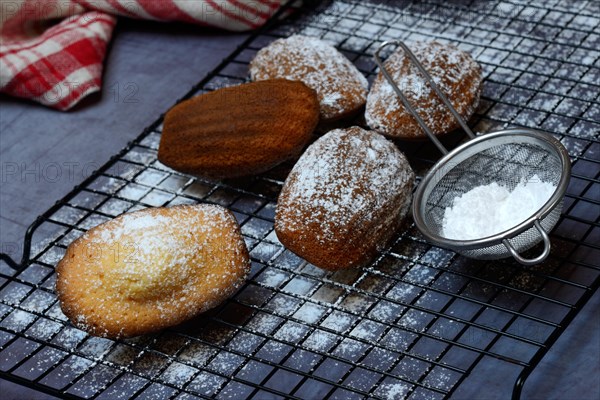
[{"x": 508, "y": 159}]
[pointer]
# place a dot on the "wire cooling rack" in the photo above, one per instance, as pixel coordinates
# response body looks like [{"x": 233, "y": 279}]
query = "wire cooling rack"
[{"x": 418, "y": 321}]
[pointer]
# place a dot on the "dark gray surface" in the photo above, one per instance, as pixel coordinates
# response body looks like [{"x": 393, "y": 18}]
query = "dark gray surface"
[
  {"x": 163, "y": 61},
  {"x": 45, "y": 152},
  {"x": 160, "y": 61}
]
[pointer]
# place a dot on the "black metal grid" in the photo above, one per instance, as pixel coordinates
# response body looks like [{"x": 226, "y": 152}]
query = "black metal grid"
[{"x": 416, "y": 322}]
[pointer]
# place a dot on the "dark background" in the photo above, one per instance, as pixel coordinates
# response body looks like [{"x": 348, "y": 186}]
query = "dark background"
[{"x": 148, "y": 67}]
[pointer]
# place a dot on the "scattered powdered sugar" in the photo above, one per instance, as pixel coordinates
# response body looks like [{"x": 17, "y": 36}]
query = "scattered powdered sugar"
[
  {"x": 393, "y": 391},
  {"x": 178, "y": 374},
  {"x": 320, "y": 340},
  {"x": 134, "y": 222},
  {"x": 310, "y": 313},
  {"x": 18, "y": 320},
  {"x": 272, "y": 277},
  {"x": 340, "y": 86},
  {"x": 291, "y": 332},
  {"x": 338, "y": 321},
  {"x": 490, "y": 209}
]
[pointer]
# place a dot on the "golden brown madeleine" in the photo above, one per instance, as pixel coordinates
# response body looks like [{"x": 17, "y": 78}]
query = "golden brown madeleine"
[
  {"x": 151, "y": 269},
  {"x": 240, "y": 130},
  {"x": 344, "y": 199},
  {"x": 341, "y": 87},
  {"x": 455, "y": 72}
]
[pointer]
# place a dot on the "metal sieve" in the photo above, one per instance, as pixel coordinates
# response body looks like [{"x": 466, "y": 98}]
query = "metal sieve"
[{"x": 505, "y": 157}]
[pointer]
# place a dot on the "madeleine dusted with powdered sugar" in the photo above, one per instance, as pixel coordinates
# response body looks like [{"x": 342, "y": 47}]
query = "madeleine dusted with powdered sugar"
[
  {"x": 340, "y": 86},
  {"x": 151, "y": 269},
  {"x": 344, "y": 199},
  {"x": 454, "y": 71}
]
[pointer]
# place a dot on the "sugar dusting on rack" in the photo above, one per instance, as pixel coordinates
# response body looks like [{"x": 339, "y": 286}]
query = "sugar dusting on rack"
[
  {"x": 398, "y": 364},
  {"x": 490, "y": 209}
]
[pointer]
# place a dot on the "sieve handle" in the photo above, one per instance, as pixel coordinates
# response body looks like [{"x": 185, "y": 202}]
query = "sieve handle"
[
  {"x": 433, "y": 85},
  {"x": 538, "y": 259}
]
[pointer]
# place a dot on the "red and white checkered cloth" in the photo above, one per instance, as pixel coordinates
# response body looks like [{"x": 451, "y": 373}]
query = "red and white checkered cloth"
[{"x": 57, "y": 64}]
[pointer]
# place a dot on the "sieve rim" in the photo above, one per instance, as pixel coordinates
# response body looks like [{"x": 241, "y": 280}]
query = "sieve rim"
[{"x": 518, "y": 135}]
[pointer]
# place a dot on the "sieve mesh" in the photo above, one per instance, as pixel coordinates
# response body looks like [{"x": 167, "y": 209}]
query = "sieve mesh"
[
  {"x": 521, "y": 242},
  {"x": 507, "y": 164}
]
